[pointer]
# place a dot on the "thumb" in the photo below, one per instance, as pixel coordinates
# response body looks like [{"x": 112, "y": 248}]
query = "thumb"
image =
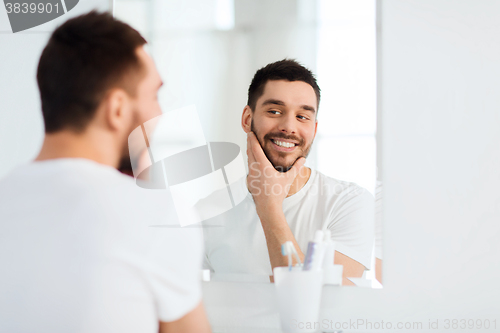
[{"x": 294, "y": 171}]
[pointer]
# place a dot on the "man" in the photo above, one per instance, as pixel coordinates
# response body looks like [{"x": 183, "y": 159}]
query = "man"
[
  {"x": 76, "y": 246},
  {"x": 287, "y": 201}
]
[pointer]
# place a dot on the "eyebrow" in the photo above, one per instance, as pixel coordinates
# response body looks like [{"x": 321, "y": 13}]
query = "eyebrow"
[
  {"x": 273, "y": 101},
  {"x": 308, "y": 108},
  {"x": 278, "y": 102}
]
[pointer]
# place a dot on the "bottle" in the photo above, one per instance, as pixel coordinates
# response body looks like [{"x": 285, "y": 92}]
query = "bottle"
[
  {"x": 315, "y": 252},
  {"x": 332, "y": 274},
  {"x": 329, "y": 246}
]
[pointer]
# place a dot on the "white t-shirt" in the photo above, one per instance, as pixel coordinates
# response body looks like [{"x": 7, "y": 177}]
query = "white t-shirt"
[
  {"x": 235, "y": 242},
  {"x": 83, "y": 249}
]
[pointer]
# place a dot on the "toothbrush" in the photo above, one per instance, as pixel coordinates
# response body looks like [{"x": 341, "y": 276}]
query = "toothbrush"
[{"x": 287, "y": 249}]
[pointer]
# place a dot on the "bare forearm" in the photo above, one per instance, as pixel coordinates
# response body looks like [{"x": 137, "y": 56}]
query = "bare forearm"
[
  {"x": 352, "y": 268},
  {"x": 277, "y": 232},
  {"x": 262, "y": 176},
  {"x": 193, "y": 322}
]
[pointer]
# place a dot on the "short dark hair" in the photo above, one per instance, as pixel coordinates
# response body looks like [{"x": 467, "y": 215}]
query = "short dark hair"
[
  {"x": 84, "y": 58},
  {"x": 286, "y": 69}
]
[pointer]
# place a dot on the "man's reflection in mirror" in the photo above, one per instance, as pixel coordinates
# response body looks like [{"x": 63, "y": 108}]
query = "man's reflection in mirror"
[{"x": 286, "y": 200}]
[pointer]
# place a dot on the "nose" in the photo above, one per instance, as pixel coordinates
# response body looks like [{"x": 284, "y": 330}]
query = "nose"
[{"x": 287, "y": 124}]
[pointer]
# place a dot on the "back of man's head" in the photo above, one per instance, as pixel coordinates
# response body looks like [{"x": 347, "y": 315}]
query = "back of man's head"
[
  {"x": 286, "y": 69},
  {"x": 84, "y": 58}
]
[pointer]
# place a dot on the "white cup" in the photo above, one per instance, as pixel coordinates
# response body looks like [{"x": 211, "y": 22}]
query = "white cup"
[{"x": 299, "y": 297}]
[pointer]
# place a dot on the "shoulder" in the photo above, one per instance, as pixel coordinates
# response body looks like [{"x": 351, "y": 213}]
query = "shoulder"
[
  {"x": 340, "y": 189},
  {"x": 68, "y": 177},
  {"x": 82, "y": 182}
]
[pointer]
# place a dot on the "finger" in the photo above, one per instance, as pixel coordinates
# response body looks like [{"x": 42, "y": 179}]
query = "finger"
[{"x": 257, "y": 151}]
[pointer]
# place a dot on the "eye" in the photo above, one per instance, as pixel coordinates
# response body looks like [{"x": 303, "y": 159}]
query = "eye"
[
  {"x": 274, "y": 112},
  {"x": 302, "y": 117}
]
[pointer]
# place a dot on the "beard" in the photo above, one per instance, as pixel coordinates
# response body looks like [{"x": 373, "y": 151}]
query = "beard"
[
  {"x": 279, "y": 159},
  {"x": 127, "y": 163}
]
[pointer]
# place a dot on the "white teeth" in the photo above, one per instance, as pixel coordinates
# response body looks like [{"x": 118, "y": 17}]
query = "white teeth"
[{"x": 284, "y": 144}]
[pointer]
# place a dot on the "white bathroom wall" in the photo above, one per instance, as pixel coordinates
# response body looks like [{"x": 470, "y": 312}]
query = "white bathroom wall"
[{"x": 439, "y": 83}]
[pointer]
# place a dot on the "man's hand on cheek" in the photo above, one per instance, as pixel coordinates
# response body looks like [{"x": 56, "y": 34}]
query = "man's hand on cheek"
[{"x": 268, "y": 187}]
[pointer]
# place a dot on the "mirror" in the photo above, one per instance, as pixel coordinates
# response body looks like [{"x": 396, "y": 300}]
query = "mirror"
[{"x": 207, "y": 53}]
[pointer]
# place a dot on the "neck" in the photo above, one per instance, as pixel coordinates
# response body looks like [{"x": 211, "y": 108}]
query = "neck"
[
  {"x": 299, "y": 181},
  {"x": 91, "y": 144}
]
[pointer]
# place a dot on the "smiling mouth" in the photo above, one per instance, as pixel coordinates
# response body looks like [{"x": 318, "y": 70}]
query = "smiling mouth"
[{"x": 283, "y": 144}]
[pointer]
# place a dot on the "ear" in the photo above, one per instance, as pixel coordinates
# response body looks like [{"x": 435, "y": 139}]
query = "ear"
[
  {"x": 315, "y": 128},
  {"x": 117, "y": 107},
  {"x": 246, "y": 119}
]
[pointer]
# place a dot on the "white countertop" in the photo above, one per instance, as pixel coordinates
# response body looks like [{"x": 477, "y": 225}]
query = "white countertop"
[{"x": 243, "y": 307}]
